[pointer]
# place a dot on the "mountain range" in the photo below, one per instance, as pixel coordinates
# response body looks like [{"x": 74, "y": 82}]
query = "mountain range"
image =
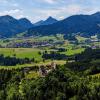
[
  {"x": 86, "y": 25},
  {"x": 10, "y": 26}
]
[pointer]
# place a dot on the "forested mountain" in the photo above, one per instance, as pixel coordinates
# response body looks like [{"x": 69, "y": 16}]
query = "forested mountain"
[
  {"x": 10, "y": 26},
  {"x": 87, "y": 25},
  {"x": 25, "y": 23},
  {"x": 48, "y": 21}
]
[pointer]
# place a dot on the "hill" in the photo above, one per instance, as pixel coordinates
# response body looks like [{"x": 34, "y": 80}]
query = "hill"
[
  {"x": 10, "y": 26},
  {"x": 84, "y": 25},
  {"x": 87, "y": 25},
  {"x": 25, "y": 23}
]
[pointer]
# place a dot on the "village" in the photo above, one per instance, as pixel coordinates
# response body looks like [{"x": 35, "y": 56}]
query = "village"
[{"x": 31, "y": 44}]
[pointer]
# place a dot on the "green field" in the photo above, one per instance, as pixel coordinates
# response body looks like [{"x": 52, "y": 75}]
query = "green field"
[
  {"x": 22, "y": 53},
  {"x": 34, "y": 52},
  {"x": 73, "y": 49},
  {"x": 76, "y": 51}
]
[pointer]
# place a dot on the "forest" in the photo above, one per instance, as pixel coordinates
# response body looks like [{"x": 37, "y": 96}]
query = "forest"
[
  {"x": 79, "y": 80},
  {"x": 12, "y": 61}
]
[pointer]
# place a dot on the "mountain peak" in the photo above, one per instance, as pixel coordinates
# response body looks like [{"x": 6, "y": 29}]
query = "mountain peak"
[
  {"x": 23, "y": 19},
  {"x": 25, "y": 22},
  {"x": 8, "y": 17},
  {"x": 48, "y": 21},
  {"x": 51, "y": 19}
]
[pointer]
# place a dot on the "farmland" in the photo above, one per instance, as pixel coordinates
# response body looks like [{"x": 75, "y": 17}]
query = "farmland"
[
  {"x": 71, "y": 49},
  {"x": 34, "y": 52},
  {"x": 21, "y": 52},
  {"x": 68, "y": 70}
]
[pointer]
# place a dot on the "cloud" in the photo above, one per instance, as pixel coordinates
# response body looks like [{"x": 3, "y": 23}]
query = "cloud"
[
  {"x": 62, "y": 11},
  {"x": 49, "y": 1},
  {"x": 61, "y": 17},
  {"x": 3, "y": 1},
  {"x": 41, "y": 9},
  {"x": 73, "y": 9},
  {"x": 67, "y": 10},
  {"x": 14, "y": 12}
]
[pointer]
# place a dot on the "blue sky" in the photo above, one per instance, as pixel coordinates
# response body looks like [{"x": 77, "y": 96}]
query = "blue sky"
[{"x": 36, "y": 10}]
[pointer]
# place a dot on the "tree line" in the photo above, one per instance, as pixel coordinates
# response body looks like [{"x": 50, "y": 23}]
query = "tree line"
[{"x": 12, "y": 61}]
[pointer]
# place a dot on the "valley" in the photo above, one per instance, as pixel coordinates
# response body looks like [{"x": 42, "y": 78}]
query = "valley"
[
  {"x": 50, "y": 59},
  {"x": 35, "y": 49}
]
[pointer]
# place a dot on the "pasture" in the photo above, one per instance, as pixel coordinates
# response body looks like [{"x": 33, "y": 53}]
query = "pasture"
[{"x": 22, "y": 53}]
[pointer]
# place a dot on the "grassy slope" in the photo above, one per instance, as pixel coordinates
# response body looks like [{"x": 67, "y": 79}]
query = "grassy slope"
[
  {"x": 21, "y": 52},
  {"x": 76, "y": 51},
  {"x": 72, "y": 49},
  {"x": 34, "y": 52}
]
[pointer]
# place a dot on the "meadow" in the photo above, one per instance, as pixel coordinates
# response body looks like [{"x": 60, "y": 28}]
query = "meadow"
[
  {"x": 22, "y": 53},
  {"x": 34, "y": 52},
  {"x": 71, "y": 49}
]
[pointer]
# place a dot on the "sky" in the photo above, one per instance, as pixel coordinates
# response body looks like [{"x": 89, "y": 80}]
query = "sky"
[{"x": 36, "y": 10}]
